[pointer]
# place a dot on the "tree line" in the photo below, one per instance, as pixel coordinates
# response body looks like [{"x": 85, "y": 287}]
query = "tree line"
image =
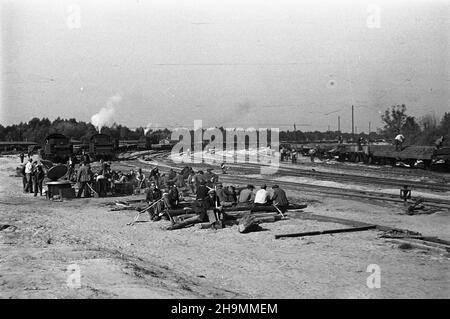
[{"x": 417, "y": 131}]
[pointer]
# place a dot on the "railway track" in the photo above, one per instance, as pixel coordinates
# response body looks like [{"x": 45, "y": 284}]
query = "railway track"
[
  {"x": 313, "y": 189},
  {"x": 428, "y": 242},
  {"x": 341, "y": 177}
]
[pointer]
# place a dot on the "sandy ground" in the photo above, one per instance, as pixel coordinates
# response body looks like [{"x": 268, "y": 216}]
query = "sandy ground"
[{"x": 146, "y": 261}]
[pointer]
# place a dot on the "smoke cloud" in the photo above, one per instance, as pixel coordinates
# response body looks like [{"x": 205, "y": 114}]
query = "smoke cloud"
[
  {"x": 104, "y": 117},
  {"x": 148, "y": 128}
]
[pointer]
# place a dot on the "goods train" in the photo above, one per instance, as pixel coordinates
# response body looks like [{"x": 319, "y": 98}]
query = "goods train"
[
  {"x": 58, "y": 148},
  {"x": 382, "y": 154}
]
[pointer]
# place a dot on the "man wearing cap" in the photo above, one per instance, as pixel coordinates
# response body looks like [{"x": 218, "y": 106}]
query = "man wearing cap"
[
  {"x": 262, "y": 197},
  {"x": 279, "y": 198},
  {"x": 247, "y": 196}
]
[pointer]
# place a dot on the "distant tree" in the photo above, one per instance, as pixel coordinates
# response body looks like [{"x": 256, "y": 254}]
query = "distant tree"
[
  {"x": 394, "y": 119},
  {"x": 411, "y": 130}
]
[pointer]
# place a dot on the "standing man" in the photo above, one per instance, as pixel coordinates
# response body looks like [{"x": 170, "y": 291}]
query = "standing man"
[
  {"x": 224, "y": 168},
  {"x": 312, "y": 154},
  {"x": 438, "y": 143},
  {"x": 22, "y": 156},
  {"x": 140, "y": 179},
  {"x": 28, "y": 171},
  {"x": 294, "y": 156},
  {"x": 399, "y": 139},
  {"x": 71, "y": 167},
  {"x": 38, "y": 178},
  {"x": 83, "y": 179},
  {"x": 191, "y": 180}
]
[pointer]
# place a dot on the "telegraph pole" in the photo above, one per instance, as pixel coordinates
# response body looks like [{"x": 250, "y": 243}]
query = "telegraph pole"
[
  {"x": 353, "y": 122},
  {"x": 339, "y": 124}
]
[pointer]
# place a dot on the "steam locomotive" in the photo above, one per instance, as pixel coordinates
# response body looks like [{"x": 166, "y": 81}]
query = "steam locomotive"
[
  {"x": 102, "y": 146},
  {"x": 57, "y": 148}
]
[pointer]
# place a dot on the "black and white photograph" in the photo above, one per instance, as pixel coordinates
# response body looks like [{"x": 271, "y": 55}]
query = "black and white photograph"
[{"x": 243, "y": 151}]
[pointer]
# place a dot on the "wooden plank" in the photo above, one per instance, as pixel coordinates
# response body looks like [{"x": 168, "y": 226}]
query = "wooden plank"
[{"x": 329, "y": 231}]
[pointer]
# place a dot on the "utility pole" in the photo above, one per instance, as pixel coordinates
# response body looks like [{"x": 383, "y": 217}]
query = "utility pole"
[
  {"x": 353, "y": 122},
  {"x": 339, "y": 124},
  {"x": 328, "y": 128}
]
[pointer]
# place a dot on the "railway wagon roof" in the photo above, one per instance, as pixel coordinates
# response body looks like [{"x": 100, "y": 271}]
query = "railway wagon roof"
[
  {"x": 56, "y": 136},
  {"x": 408, "y": 152}
]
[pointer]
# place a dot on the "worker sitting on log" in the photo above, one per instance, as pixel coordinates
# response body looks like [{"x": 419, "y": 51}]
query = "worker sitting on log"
[
  {"x": 185, "y": 172},
  {"x": 207, "y": 209},
  {"x": 246, "y": 196},
  {"x": 230, "y": 191},
  {"x": 262, "y": 197},
  {"x": 154, "y": 175},
  {"x": 223, "y": 196},
  {"x": 202, "y": 191},
  {"x": 279, "y": 198},
  {"x": 171, "y": 198}
]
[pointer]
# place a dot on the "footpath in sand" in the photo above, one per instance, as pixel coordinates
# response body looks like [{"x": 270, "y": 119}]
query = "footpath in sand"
[{"x": 147, "y": 261}]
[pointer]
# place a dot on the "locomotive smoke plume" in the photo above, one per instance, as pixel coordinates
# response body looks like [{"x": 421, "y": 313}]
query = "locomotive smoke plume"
[
  {"x": 105, "y": 116},
  {"x": 148, "y": 128}
]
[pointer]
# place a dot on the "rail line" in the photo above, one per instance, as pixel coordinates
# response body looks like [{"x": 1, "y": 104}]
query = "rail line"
[
  {"x": 316, "y": 189},
  {"x": 342, "y": 177}
]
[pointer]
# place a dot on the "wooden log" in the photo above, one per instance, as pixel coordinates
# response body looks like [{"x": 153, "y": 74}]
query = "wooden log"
[
  {"x": 330, "y": 231},
  {"x": 180, "y": 211},
  {"x": 248, "y": 223},
  {"x": 188, "y": 221}
]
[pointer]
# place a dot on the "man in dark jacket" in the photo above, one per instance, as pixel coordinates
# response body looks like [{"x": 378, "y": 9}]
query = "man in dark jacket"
[
  {"x": 38, "y": 178},
  {"x": 279, "y": 198},
  {"x": 202, "y": 191},
  {"x": 83, "y": 179},
  {"x": 154, "y": 195}
]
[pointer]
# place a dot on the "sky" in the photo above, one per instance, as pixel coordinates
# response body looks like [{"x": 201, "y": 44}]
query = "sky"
[{"x": 246, "y": 63}]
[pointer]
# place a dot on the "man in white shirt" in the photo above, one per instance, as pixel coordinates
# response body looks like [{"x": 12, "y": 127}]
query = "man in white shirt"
[
  {"x": 399, "y": 139},
  {"x": 28, "y": 170},
  {"x": 262, "y": 197}
]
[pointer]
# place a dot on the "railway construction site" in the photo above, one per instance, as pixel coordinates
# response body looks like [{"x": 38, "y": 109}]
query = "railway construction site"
[{"x": 350, "y": 231}]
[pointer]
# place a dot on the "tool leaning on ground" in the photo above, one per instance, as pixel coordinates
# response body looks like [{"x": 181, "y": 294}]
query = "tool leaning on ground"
[{"x": 135, "y": 219}]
